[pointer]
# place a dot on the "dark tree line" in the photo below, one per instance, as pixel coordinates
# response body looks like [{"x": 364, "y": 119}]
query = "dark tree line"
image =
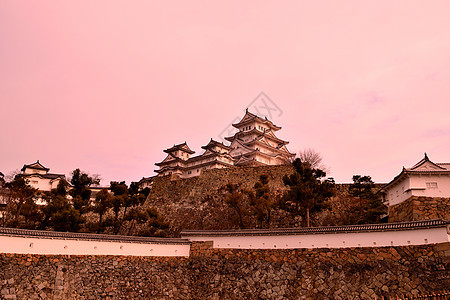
[
  {"x": 69, "y": 207},
  {"x": 308, "y": 194}
]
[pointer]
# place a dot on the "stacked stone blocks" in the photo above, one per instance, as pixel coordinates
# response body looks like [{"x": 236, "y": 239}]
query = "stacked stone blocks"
[
  {"x": 363, "y": 273},
  {"x": 420, "y": 208}
]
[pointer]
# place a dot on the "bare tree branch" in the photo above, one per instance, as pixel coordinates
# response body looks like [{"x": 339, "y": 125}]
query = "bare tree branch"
[{"x": 313, "y": 157}]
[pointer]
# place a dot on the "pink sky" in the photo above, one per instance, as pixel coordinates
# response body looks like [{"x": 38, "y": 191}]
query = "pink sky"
[{"x": 105, "y": 86}]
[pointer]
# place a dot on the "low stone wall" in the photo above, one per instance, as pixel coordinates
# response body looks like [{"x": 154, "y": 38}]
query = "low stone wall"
[
  {"x": 209, "y": 273},
  {"x": 420, "y": 208}
]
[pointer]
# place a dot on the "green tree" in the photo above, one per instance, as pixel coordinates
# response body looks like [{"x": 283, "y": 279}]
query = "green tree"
[
  {"x": 119, "y": 200},
  {"x": 235, "y": 200},
  {"x": 155, "y": 224},
  {"x": 368, "y": 205},
  {"x": 61, "y": 188},
  {"x": 262, "y": 201},
  {"x": 136, "y": 197},
  {"x": 31, "y": 213},
  {"x": 101, "y": 205},
  {"x": 61, "y": 215},
  {"x": 140, "y": 194},
  {"x": 308, "y": 191},
  {"x": 362, "y": 186},
  {"x": 80, "y": 192},
  {"x": 21, "y": 208},
  {"x": 136, "y": 216}
]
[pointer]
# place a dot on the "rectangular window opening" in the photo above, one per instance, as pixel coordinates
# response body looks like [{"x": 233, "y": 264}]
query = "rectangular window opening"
[{"x": 432, "y": 185}]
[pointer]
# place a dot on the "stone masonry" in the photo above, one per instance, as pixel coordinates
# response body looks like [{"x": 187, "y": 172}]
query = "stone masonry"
[
  {"x": 184, "y": 202},
  {"x": 352, "y": 273},
  {"x": 420, "y": 208}
]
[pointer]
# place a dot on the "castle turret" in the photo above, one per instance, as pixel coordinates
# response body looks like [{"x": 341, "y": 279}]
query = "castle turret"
[{"x": 175, "y": 161}]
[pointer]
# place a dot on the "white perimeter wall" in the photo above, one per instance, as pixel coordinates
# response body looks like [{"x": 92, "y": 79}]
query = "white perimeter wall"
[
  {"x": 335, "y": 240},
  {"x": 27, "y": 245}
]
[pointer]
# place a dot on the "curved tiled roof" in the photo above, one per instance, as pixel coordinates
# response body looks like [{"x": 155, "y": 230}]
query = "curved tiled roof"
[
  {"x": 47, "y": 176},
  {"x": 90, "y": 237},
  {"x": 37, "y": 166},
  {"x": 249, "y": 117},
  {"x": 168, "y": 161},
  {"x": 183, "y": 147},
  {"x": 441, "y": 168},
  {"x": 320, "y": 230},
  {"x": 215, "y": 143}
]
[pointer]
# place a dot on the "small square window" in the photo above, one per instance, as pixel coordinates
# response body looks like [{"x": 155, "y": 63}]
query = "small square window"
[{"x": 432, "y": 185}]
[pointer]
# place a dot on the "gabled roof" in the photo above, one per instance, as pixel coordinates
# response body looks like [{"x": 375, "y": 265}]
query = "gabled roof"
[
  {"x": 183, "y": 147},
  {"x": 240, "y": 145},
  {"x": 169, "y": 158},
  {"x": 213, "y": 143},
  {"x": 165, "y": 168},
  {"x": 243, "y": 160},
  {"x": 259, "y": 135},
  {"x": 249, "y": 117},
  {"x": 444, "y": 165},
  {"x": 36, "y": 166},
  {"x": 281, "y": 149},
  {"x": 424, "y": 166},
  {"x": 270, "y": 134}
]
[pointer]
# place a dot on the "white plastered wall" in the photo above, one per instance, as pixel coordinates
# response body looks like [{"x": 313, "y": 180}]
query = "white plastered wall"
[
  {"x": 29, "y": 245},
  {"x": 332, "y": 240},
  {"x": 416, "y": 185}
]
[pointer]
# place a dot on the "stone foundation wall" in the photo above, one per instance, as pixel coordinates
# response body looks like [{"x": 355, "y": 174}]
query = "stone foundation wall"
[
  {"x": 209, "y": 273},
  {"x": 420, "y": 208},
  {"x": 196, "y": 203},
  {"x": 187, "y": 190}
]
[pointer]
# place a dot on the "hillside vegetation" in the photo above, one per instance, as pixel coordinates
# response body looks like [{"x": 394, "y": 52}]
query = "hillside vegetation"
[{"x": 260, "y": 197}]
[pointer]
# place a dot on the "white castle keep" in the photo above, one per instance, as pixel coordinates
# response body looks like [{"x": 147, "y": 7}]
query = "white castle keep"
[{"x": 254, "y": 144}]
